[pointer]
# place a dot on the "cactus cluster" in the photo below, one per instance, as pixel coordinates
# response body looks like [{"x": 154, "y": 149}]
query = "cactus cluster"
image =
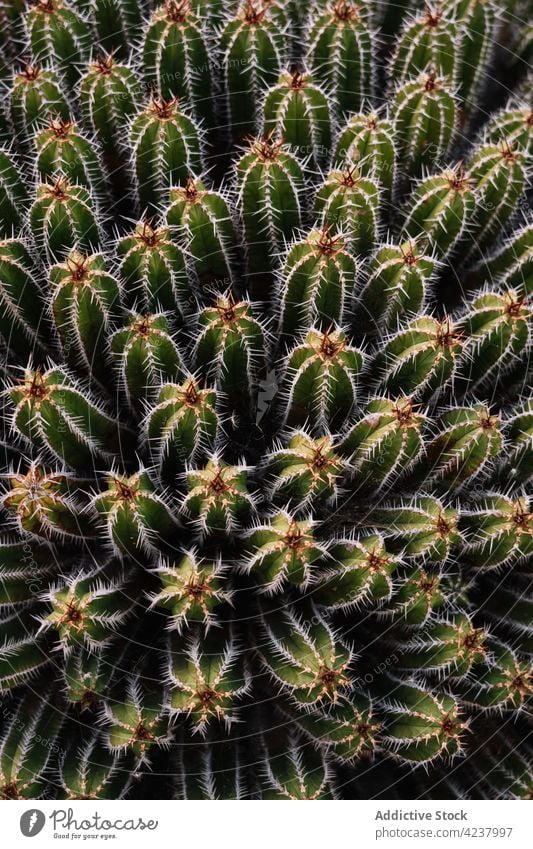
[{"x": 266, "y": 421}]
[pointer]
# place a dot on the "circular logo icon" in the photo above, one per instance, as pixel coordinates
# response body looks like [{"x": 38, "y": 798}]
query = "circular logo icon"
[{"x": 32, "y": 822}]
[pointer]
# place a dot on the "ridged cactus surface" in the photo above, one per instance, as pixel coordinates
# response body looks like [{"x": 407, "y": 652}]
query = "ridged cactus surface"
[{"x": 267, "y": 431}]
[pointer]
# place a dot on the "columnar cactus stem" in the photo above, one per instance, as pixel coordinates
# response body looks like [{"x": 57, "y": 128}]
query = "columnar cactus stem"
[
  {"x": 304, "y": 656},
  {"x": 154, "y": 270},
  {"x": 515, "y": 468},
  {"x": 63, "y": 217},
  {"x": 298, "y": 109},
  {"x": 13, "y": 195},
  {"x": 304, "y": 471},
  {"x": 511, "y": 265},
  {"x": 321, "y": 377},
  {"x": 135, "y": 518},
  {"x": 270, "y": 184},
  {"x": 283, "y": 550},
  {"x": 57, "y": 32},
  {"x": 166, "y": 147},
  {"x": 316, "y": 284},
  {"x": 52, "y": 413},
  {"x": 21, "y": 321},
  {"x": 181, "y": 427},
  {"x": 176, "y": 59},
  {"x": 347, "y": 729},
  {"x": 339, "y": 54},
  {"x": 191, "y": 590},
  {"x": 202, "y": 221},
  {"x": 42, "y": 505},
  {"x": 441, "y": 209},
  {"x": 398, "y": 281},
  {"x": 360, "y": 570},
  {"x": 145, "y": 353},
  {"x": 468, "y": 439},
  {"x": 475, "y": 24},
  {"x": 421, "y": 527},
  {"x": 368, "y": 141},
  {"x": 108, "y": 93},
  {"x": 295, "y": 771},
  {"x": 254, "y": 52},
  {"x": 230, "y": 343},
  {"x": 445, "y": 647},
  {"x": 88, "y": 609},
  {"x": 422, "y": 725},
  {"x": 428, "y": 39},
  {"x": 424, "y": 117},
  {"x": 420, "y": 360},
  {"x": 35, "y": 94},
  {"x": 85, "y": 298},
  {"x": 499, "y": 531},
  {"x": 349, "y": 203},
  {"x": 217, "y": 496},
  {"x": 497, "y": 330},
  {"x": 118, "y": 24},
  {"x": 384, "y": 442},
  {"x": 512, "y": 126},
  {"x": 204, "y": 680},
  {"x": 498, "y": 175}
]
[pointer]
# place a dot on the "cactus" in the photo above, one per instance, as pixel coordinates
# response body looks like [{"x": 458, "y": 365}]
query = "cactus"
[
  {"x": 217, "y": 496},
  {"x": 36, "y": 93},
  {"x": 203, "y": 679},
  {"x": 202, "y": 221},
  {"x": 281, "y": 551},
  {"x": 43, "y": 505},
  {"x": 399, "y": 277},
  {"x": 298, "y": 109},
  {"x": 57, "y": 32},
  {"x": 361, "y": 572},
  {"x": 21, "y": 322},
  {"x": 339, "y": 54},
  {"x": 13, "y": 195},
  {"x": 166, "y": 147},
  {"x": 266, "y": 422},
  {"x": 424, "y": 117},
  {"x": 230, "y": 342},
  {"x": 84, "y": 302},
  {"x": 270, "y": 186},
  {"x": 118, "y": 23},
  {"x": 419, "y": 360},
  {"x": 317, "y": 282},
  {"x": 63, "y": 217},
  {"x": 367, "y": 141},
  {"x": 349, "y": 203},
  {"x": 181, "y": 426},
  {"x": 253, "y": 53},
  {"x": 191, "y": 590},
  {"x": 175, "y": 56},
  {"x": 441, "y": 209},
  {"x": 134, "y": 517},
  {"x": 108, "y": 100},
  {"x": 154, "y": 270},
  {"x": 475, "y": 22},
  {"x": 60, "y": 147},
  {"x": 145, "y": 353},
  {"x": 321, "y": 377},
  {"x": 427, "y": 40}
]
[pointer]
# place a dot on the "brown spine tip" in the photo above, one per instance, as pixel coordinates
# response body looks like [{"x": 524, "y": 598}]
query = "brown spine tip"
[{"x": 177, "y": 12}]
